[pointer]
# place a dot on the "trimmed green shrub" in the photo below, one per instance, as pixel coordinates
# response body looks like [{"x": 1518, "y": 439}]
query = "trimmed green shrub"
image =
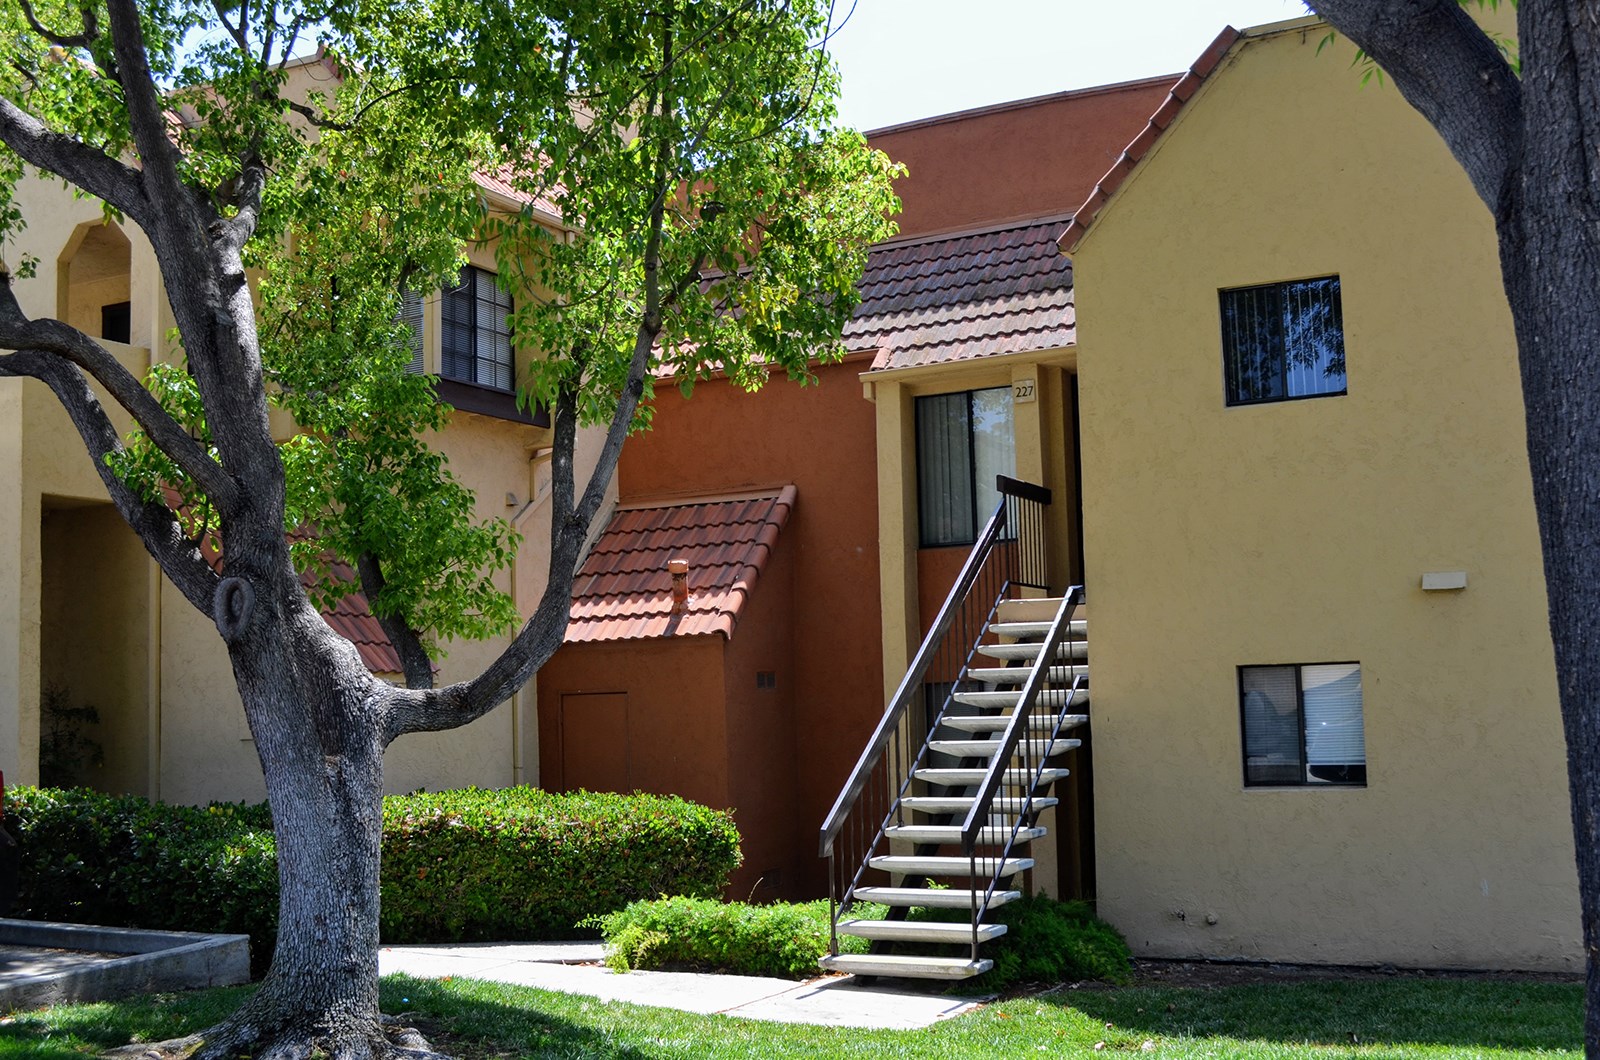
[
  {"x": 521, "y": 863},
  {"x": 122, "y": 861},
  {"x": 782, "y": 940},
  {"x": 512, "y": 864}
]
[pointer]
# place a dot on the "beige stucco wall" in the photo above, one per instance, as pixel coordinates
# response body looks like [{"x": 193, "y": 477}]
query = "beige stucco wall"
[
  {"x": 191, "y": 743},
  {"x": 1297, "y": 532}
]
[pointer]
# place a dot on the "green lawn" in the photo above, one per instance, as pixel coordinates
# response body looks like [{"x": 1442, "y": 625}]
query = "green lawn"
[{"x": 1375, "y": 1018}]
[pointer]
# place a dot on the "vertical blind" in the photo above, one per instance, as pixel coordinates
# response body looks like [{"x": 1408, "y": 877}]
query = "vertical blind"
[
  {"x": 964, "y": 441},
  {"x": 1283, "y": 340},
  {"x": 1303, "y": 724},
  {"x": 411, "y": 317}
]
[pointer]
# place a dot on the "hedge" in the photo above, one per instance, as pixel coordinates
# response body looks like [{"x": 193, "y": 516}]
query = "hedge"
[
  {"x": 517, "y": 863},
  {"x": 524, "y": 864},
  {"x": 123, "y": 861}
]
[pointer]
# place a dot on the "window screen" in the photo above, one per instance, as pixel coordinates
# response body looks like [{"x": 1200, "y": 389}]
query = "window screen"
[
  {"x": 1302, "y": 724},
  {"x": 1283, "y": 341}
]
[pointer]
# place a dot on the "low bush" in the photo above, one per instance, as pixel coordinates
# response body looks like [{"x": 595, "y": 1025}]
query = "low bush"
[
  {"x": 521, "y": 863},
  {"x": 1054, "y": 942},
  {"x": 513, "y": 864},
  {"x": 123, "y": 861},
  {"x": 782, "y": 940}
]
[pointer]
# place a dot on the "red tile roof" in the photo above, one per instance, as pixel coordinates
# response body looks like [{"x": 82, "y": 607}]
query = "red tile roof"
[
  {"x": 623, "y": 591},
  {"x": 1141, "y": 144},
  {"x": 934, "y": 300},
  {"x": 352, "y": 621},
  {"x": 502, "y": 182}
]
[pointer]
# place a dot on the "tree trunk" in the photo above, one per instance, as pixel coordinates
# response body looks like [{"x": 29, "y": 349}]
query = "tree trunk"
[
  {"x": 1551, "y": 265},
  {"x": 314, "y": 713}
]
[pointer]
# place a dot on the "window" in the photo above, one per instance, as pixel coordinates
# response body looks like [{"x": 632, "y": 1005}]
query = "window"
[
  {"x": 1282, "y": 341},
  {"x": 963, "y": 442},
  {"x": 1302, "y": 724},
  {"x": 474, "y": 334}
]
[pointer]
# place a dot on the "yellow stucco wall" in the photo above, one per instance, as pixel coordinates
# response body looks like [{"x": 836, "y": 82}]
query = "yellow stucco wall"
[{"x": 1297, "y": 532}]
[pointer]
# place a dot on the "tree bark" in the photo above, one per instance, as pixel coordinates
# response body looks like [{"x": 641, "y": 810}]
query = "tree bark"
[{"x": 1528, "y": 145}]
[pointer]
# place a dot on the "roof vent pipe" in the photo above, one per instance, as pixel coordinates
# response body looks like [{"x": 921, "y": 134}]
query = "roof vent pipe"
[{"x": 679, "y": 568}]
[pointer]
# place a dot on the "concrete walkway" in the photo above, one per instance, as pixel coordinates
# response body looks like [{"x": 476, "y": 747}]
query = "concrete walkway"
[{"x": 568, "y": 967}]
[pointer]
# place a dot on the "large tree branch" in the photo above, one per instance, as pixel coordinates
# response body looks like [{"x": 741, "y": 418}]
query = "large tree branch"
[
  {"x": 17, "y": 332},
  {"x": 155, "y": 524},
  {"x": 414, "y": 661},
  {"x": 147, "y": 115},
  {"x": 1451, "y": 72},
  {"x": 74, "y": 161}
]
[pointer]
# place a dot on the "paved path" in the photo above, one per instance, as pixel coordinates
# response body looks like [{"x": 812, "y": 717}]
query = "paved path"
[{"x": 566, "y": 966}]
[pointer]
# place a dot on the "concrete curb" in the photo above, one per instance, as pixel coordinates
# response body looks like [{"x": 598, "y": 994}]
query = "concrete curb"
[{"x": 155, "y": 960}]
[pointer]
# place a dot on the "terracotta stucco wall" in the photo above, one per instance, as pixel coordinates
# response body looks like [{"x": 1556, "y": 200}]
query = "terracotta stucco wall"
[
  {"x": 779, "y": 844},
  {"x": 1297, "y": 532},
  {"x": 821, "y": 439},
  {"x": 1031, "y": 158},
  {"x": 675, "y": 737}
]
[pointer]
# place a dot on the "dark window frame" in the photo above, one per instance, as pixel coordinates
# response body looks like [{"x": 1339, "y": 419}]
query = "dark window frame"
[
  {"x": 924, "y": 402},
  {"x": 1278, "y": 332},
  {"x": 463, "y": 298},
  {"x": 1303, "y": 767}
]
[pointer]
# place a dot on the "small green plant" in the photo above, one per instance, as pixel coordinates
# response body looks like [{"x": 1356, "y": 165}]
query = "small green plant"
[
  {"x": 64, "y": 749},
  {"x": 782, "y": 940},
  {"x": 1047, "y": 941}
]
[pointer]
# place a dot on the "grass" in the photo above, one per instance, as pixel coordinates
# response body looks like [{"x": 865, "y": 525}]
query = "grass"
[{"x": 1356, "y": 1019}]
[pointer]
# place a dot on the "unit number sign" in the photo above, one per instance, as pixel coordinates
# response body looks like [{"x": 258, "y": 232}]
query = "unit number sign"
[{"x": 1022, "y": 390}]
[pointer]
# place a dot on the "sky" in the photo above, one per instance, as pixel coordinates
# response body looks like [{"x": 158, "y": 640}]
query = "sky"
[{"x": 906, "y": 59}]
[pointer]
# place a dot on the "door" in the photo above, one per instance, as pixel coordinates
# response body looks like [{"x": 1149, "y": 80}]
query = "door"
[{"x": 594, "y": 741}]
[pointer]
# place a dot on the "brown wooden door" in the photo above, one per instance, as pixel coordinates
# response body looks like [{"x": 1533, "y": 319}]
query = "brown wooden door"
[{"x": 594, "y": 741}]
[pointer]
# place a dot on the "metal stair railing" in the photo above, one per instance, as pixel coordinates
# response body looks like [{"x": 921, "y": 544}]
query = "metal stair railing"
[
  {"x": 1021, "y": 755},
  {"x": 1009, "y": 555}
]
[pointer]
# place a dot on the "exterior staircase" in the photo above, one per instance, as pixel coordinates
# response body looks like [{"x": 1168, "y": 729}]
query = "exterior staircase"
[{"x": 937, "y": 818}]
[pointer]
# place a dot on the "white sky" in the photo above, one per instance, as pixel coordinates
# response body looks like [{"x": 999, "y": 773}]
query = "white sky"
[{"x": 907, "y": 59}]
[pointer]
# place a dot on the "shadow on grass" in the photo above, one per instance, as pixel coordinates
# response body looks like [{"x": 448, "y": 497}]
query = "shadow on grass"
[
  {"x": 471, "y": 1019},
  {"x": 75, "y": 1030},
  {"x": 468, "y": 1020},
  {"x": 1446, "y": 1012}
]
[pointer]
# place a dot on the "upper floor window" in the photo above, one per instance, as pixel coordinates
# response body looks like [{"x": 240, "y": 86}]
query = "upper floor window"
[
  {"x": 964, "y": 441},
  {"x": 474, "y": 332},
  {"x": 1283, "y": 341},
  {"x": 1302, "y": 724}
]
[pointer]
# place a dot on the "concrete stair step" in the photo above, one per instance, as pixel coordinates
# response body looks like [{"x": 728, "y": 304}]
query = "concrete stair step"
[
  {"x": 1029, "y": 651},
  {"x": 986, "y": 748},
  {"x": 1078, "y": 628},
  {"x": 951, "y": 833},
  {"x": 918, "y": 931},
  {"x": 1048, "y": 699},
  {"x": 898, "y": 967},
  {"x": 932, "y": 897},
  {"x": 962, "y": 803},
  {"x": 950, "y": 777},
  {"x": 1036, "y": 609},
  {"x": 996, "y": 722},
  {"x": 1015, "y": 675},
  {"x": 933, "y": 865}
]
